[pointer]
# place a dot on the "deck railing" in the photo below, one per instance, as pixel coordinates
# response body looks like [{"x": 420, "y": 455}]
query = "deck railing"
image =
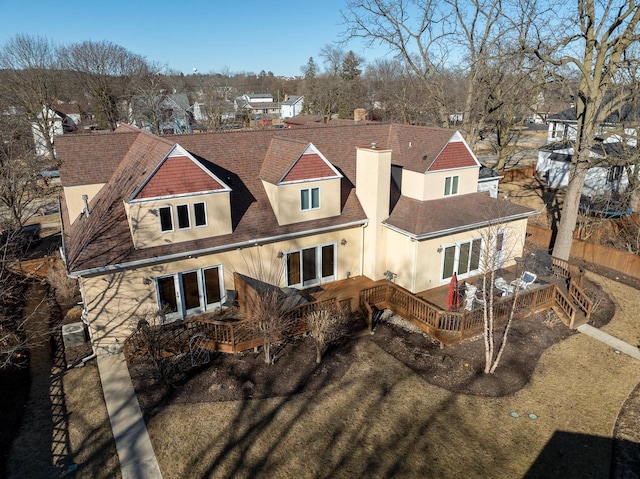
[
  {"x": 564, "y": 269},
  {"x": 565, "y": 304},
  {"x": 580, "y": 298},
  {"x": 229, "y": 336},
  {"x": 442, "y": 324}
]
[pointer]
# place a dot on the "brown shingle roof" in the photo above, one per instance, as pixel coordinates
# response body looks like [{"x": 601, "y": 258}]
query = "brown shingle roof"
[
  {"x": 178, "y": 175},
  {"x": 454, "y": 155},
  {"x": 309, "y": 166},
  {"x": 239, "y": 160},
  {"x": 439, "y": 217}
]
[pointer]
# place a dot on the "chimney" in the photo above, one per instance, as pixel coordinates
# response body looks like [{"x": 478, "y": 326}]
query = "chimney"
[
  {"x": 359, "y": 114},
  {"x": 85, "y": 199},
  {"x": 373, "y": 189},
  {"x": 286, "y": 97}
]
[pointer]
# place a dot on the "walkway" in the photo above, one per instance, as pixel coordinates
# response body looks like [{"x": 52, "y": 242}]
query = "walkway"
[
  {"x": 135, "y": 452},
  {"x": 612, "y": 341}
]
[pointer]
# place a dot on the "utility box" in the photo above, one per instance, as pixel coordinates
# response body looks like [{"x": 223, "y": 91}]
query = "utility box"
[{"x": 73, "y": 334}]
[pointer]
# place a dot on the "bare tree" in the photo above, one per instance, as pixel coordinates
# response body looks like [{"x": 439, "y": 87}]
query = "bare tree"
[
  {"x": 326, "y": 326},
  {"x": 109, "y": 73},
  {"x": 20, "y": 187},
  {"x": 30, "y": 82},
  {"x": 498, "y": 249},
  {"x": 599, "y": 40}
]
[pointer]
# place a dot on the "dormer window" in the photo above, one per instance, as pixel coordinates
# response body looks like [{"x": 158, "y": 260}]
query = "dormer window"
[
  {"x": 309, "y": 199},
  {"x": 200, "y": 214},
  {"x": 451, "y": 185},
  {"x": 166, "y": 219},
  {"x": 183, "y": 217}
]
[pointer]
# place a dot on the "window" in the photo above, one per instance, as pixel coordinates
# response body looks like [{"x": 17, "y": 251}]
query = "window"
[
  {"x": 615, "y": 174},
  {"x": 451, "y": 185},
  {"x": 166, "y": 219},
  {"x": 310, "y": 199},
  {"x": 311, "y": 266},
  {"x": 190, "y": 292},
  {"x": 183, "y": 216},
  {"x": 463, "y": 259},
  {"x": 200, "y": 214}
]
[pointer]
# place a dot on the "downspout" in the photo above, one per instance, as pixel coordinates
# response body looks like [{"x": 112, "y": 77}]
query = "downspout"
[{"x": 362, "y": 249}]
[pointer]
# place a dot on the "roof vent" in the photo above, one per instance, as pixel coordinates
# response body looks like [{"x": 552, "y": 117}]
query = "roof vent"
[
  {"x": 424, "y": 158},
  {"x": 374, "y": 145}
]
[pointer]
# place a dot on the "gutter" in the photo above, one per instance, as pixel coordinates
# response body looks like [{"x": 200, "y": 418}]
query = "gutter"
[
  {"x": 459, "y": 229},
  {"x": 214, "y": 249}
]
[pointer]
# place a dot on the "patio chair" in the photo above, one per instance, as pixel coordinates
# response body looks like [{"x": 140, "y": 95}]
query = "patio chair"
[
  {"x": 470, "y": 297},
  {"x": 502, "y": 285},
  {"x": 524, "y": 281}
]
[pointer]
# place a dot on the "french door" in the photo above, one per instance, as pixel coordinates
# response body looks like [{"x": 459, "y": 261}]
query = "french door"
[
  {"x": 462, "y": 258},
  {"x": 189, "y": 292},
  {"x": 311, "y": 266}
]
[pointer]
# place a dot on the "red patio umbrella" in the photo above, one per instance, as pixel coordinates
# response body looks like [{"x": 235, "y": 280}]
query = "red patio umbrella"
[{"x": 453, "y": 296}]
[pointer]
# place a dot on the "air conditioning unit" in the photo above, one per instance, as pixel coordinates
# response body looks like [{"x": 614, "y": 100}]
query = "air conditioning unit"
[{"x": 73, "y": 334}]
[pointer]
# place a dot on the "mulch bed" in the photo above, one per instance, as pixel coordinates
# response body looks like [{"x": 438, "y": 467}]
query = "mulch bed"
[{"x": 456, "y": 368}]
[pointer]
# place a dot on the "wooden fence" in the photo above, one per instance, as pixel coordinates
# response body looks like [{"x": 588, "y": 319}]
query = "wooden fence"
[
  {"x": 518, "y": 173},
  {"x": 621, "y": 261}
]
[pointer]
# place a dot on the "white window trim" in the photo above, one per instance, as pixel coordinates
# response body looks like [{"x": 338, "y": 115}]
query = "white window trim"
[
  {"x": 182, "y": 312},
  {"x": 187, "y": 207},
  {"x": 172, "y": 219},
  {"x": 451, "y": 184},
  {"x": 320, "y": 279},
  {"x": 311, "y": 207},
  {"x": 456, "y": 259},
  {"x": 206, "y": 219}
]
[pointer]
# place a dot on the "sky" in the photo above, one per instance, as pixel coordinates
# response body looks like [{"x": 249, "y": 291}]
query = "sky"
[{"x": 211, "y": 36}]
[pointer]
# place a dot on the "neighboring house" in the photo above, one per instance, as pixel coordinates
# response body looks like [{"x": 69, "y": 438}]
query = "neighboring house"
[
  {"x": 563, "y": 126},
  {"x": 254, "y": 105},
  {"x": 608, "y": 175},
  {"x": 158, "y": 222},
  {"x": 64, "y": 118},
  {"x": 202, "y": 111},
  {"x": 488, "y": 181},
  {"x": 291, "y": 106},
  {"x": 164, "y": 114},
  {"x": 615, "y": 145}
]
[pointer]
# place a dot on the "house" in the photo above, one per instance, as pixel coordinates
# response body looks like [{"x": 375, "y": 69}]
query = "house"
[
  {"x": 615, "y": 145},
  {"x": 563, "y": 126},
  {"x": 608, "y": 175},
  {"x": 162, "y": 114},
  {"x": 255, "y": 104},
  {"x": 291, "y": 106},
  {"x": 64, "y": 118},
  {"x": 165, "y": 222}
]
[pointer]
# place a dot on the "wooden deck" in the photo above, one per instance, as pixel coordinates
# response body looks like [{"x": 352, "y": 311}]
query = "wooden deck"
[
  {"x": 438, "y": 296},
  {"x": 343, "y": 289}
]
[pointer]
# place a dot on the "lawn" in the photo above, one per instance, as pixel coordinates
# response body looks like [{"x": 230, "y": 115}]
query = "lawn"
[{"x": 380, "y": 419}]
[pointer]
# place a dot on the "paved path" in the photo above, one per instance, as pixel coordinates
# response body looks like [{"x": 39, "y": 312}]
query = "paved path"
[
  {"x": 135, "y": 452},
  {"x": 612, "y": 341}
]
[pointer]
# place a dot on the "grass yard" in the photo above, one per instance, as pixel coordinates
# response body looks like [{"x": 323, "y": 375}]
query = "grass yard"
[{"x": 380, "y": 419}]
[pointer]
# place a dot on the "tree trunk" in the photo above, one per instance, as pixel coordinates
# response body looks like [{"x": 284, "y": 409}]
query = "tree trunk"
[
  {"x": 570, "y": 208},
  {"x": 318, "y": 353}
]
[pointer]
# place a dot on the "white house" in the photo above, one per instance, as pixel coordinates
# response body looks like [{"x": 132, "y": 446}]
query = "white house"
[{"x": 291, "y": 106}]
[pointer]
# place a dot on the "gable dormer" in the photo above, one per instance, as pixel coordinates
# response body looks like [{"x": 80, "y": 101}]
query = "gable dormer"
[
  {"x": 300, "y": 182},
  {"x": 453, "y": 171},
  {"x": 180, "y": 200}
]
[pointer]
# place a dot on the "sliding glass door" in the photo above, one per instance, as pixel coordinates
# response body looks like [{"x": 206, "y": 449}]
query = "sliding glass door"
[
  {"x": 462, "y": 258},
  {"x": 189, "y": 292},
  {"x": 311, "y": 266}
]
